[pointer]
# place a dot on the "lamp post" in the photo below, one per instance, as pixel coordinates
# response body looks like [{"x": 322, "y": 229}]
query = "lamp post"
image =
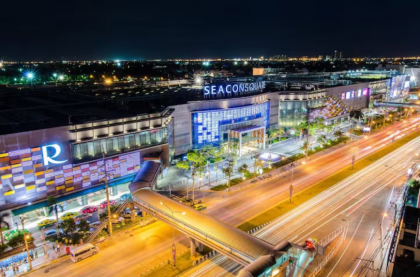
[
  {"x": 45, "y": 244},
  {"x": 292, "y": 164},
  {"x": 58, "y": 77},
  {"x": 107, "y": 196},
  {"x": 22, "y": 221},
  {"x": 173, "y": 232},
  {"x": 30, "y": 76}
]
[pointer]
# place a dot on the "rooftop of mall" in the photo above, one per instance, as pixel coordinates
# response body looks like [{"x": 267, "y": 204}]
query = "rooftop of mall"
[{"x": 40, "y": 106}]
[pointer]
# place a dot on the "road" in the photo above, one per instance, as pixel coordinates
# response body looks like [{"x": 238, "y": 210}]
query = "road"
[
  {"x": 233, "y": 207},
  {"x": 361, "y": 198}
]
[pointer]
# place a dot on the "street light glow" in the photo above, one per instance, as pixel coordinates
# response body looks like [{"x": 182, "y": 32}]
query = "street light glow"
[
  {"x": 61, "y": 77},
  {"x": 30, "y": 75}
]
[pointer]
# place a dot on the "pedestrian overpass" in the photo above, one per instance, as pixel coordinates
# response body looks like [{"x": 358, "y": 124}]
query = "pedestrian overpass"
[
  {"x": 239, "y": 246},
  {"x": 396, "y": 104}
]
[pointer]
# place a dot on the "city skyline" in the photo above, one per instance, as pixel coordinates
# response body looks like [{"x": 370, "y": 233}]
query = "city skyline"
[{"x": 146, "y": 31}]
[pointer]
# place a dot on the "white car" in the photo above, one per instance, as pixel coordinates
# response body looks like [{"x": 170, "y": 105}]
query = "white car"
[{"x": 117, "y": 220}]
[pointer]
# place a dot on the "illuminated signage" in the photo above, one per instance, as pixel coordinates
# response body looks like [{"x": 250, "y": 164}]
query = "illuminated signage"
[
  {"x": 365, "y": 91},
  {"x": 233, "y": 88},
  {"x": 50, "y": 159},
  {"x": 359, "y": 93},
  {"x": 348, "y": 95}
]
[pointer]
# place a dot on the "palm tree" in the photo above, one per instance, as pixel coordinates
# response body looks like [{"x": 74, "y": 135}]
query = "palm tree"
[
  {"x": 54, "y": 207},
  {"x": 5, "y": 223}
]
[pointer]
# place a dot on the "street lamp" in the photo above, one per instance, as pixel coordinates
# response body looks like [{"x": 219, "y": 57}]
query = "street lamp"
[
  {"x": 173, "y": 232},
  {"x": 25, "y": 237},
  {"x": 292, "y": 164},
  {"x": 108, "y": 206},
  {"x": 58, "y": 77}
]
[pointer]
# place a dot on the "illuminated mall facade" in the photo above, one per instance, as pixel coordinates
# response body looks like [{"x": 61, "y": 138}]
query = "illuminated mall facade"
[{"x": 67, "y": 161}]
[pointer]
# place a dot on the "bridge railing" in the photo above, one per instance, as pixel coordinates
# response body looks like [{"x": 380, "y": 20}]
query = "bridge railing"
[{"x": 191, "y": 229}]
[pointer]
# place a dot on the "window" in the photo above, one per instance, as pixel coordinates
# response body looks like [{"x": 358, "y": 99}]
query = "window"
[{"x": 115, "y": 145}]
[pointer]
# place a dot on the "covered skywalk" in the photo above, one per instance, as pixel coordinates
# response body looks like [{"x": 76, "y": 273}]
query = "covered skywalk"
[
  {"x": 396, "y": 104},
  {"x": 225, "y": 239}
]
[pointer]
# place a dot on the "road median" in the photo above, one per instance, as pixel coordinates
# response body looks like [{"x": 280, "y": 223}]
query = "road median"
[{"x": 310, "y": 192}]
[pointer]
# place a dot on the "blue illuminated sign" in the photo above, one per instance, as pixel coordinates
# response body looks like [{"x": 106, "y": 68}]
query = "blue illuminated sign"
[
  {"x": 233, "y": 88},
  {"x": 47, "y": 159}
]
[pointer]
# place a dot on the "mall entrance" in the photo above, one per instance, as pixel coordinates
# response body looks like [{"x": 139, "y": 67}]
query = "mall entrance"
[{"x": 249, "y": 137}]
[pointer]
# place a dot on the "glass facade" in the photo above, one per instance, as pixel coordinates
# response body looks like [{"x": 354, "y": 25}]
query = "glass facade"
[
  {"x": 207, "y": 125},
  {"x": 119, "y": 144},
  {"x": 292, "y": 113}
]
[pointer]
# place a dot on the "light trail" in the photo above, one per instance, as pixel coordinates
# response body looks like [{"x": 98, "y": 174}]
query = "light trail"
[
  {"x": 305, "y": 219},
  {"x": 355, "y": 231},
  {"x": 364, "y": 252}
]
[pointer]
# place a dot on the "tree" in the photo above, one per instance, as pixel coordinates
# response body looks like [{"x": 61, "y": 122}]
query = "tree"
[
  {"x": 17, "y": 239},
  {"x": 338, "y": 133},
  {"x": 228, "y": 172},
  {"x": 184, "y": 165},
  {"x": 53, "y": 206},
  {"x": 83, "y": 226},
  {"x": 69, "y": 226},
  {"x": 305, "y": 147},
  {"x": 243, "y": 169},
  {"x": 5, "y": 223}
]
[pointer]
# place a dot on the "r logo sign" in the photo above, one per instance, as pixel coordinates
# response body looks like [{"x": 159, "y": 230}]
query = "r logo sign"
[{"x": 50, "y": 159}]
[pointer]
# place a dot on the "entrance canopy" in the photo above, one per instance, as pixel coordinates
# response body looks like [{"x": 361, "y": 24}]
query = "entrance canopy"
[{"x": 257, "y": 134}]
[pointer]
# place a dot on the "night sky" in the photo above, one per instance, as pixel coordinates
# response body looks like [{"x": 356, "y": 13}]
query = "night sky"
[{"x": 45, "y": 29}]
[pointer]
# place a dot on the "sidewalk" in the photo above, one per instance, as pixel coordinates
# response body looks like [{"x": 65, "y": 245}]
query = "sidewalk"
[
  {"x": 177, "y": 180},
  {"x": 39, "y": 262}
]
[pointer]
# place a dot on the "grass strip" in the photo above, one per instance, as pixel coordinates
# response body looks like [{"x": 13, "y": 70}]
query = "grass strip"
[
  {"x": 182, "y": 263},
  {"x": 301, "y": 197}
]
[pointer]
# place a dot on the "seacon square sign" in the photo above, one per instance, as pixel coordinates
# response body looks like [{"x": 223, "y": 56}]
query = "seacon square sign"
[{"x": 224, "y": 90}]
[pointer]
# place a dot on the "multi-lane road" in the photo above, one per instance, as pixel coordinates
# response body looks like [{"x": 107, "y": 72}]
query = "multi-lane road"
[
  {"x": 360, "y": 201},
  {"x": 238, "y": 206}
]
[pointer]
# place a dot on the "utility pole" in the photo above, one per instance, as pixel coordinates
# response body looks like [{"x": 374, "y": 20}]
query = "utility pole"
[
  {"x": 353, "y": 159},
  {"x": 45, "y": 244},
  {"x": 26, "y": 242},
  {"x": 307, "y": 130},
  {"x": 193, "y": 183},
  {"x": 107, "y": 196},
  {"x": 173, "y": 232}
]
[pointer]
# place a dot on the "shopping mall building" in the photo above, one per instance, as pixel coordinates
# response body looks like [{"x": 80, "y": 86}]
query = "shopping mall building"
[{"x": 63, "y": 145}]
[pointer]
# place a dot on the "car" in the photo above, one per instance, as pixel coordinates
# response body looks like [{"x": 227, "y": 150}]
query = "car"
[
  {"x": 125, "y": 196},
  {"x": 88, "y": 210},
  {"x": 68, "y": 215},
  {"x": 12, "y": 233},
  {"x": 49, "y": 233},
  {"x": 200, "y": 207},
  {"x": 311, "y": 242},
  {"x": 46, "y": 223},
  {"x": 117, "y": 220},
  {"x": 104, "y": 204},
  {"x": 96, "y": 224},
  {"x": 79, "y": 217}
]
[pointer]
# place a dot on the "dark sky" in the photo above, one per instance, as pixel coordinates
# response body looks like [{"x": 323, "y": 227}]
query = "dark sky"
[{"x": 140, "y": 29}]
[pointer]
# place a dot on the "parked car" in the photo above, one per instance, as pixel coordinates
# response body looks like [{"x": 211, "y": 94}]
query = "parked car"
[
  {"x": 11, "y": 233},
  {"x": 117, "y": 220},
  {"x": 49, "y": 233},
  {"x": 125, "y": 196},
  {"x": 103, "y": 205},
  {"x": 46, "y": 223},
  {"x": 95, "y": 224},
  {"x": 68, "y": 215},
  {"x": 200, "y": 207},
  {"x": 88, "y": 210},
  {"x": 79, "y": 217}
]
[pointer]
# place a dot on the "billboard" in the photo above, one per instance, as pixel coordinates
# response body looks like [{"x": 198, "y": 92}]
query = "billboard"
[{"x": 28, "y": 172}]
